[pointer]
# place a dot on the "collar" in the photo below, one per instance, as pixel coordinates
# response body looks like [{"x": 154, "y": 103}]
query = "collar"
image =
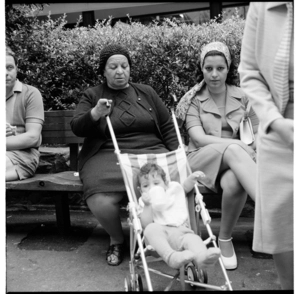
[
  {"x": 16, "y": 89},
  {"x": 232, "y": 91},
  {"x": 271, "y": 5},
  {"x": 17, "y": 86}
]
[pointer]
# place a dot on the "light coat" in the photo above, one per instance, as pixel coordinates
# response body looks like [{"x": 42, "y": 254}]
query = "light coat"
[
  {"x": 273, "y": 222},
  {"x": 210, "y": 117},
  {"x": 264, "y": 30}
]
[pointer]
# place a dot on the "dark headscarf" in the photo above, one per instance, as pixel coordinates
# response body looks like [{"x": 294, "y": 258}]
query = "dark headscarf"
[{"x": 110, "y": 50}]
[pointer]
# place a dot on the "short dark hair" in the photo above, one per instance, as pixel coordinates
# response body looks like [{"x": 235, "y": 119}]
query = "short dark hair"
[
  {"x": 9, "y": 52},
  {"x": 231, "y": 76},
  {"x": 151, "y": 167},
  {"x": 110, "y": 50}
]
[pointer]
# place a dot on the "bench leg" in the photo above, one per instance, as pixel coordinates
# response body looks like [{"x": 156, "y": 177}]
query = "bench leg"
[{"x": 62, "y": 212}]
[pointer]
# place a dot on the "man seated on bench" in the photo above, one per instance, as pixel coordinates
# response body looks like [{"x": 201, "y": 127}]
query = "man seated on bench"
[{"x": 24, "y": 121}]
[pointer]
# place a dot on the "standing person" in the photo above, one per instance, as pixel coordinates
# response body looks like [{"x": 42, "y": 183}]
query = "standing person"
[
  {"x": 24, "y": 121},
  {"x": 142, "y": 124},
  {"x": 212, "y": 111},
  {"x": 267, "y": 77}
]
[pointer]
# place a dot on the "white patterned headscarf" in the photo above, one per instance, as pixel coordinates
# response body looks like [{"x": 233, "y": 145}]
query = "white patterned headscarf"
[
  {"x": 215, "y": 46},
  {"x": 186, "y": 100}
]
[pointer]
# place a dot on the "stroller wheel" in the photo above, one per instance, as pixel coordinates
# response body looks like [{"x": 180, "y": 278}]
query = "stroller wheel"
[
  {"x": 191, "y": 274},
  {"x": 196, "y": 276},
  {"x": 202, "y": 276},
  {"x": 127, "y": 285},
  {"x": 138, "y": 283}
]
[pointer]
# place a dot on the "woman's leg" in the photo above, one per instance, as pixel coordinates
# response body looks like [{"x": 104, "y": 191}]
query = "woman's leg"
[
  {"x": 105, "y": 207},
  {"x": 233, "y": 200},
  {"x": 243, "y": 167},
  {"x": 10, "y": 174},
  {"x": 284, "y": 263}
]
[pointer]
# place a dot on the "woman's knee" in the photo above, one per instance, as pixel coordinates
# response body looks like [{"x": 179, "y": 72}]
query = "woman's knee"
[
  {"x": 234, "y": 152},
  {"x": 102, "y": 201},
  {"x": 229, "y": 183}
]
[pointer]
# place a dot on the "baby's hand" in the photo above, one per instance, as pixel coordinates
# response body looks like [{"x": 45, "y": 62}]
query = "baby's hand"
[
  {"x": 146, "y": 198},
  {"x": 197, "y": 175},
  {"x": 192, "y": 180}
]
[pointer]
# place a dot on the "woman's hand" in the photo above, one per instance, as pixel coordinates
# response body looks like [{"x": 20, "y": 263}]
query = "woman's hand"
[
  {"x": 284, "y": 127},
  {"x": 102, "y": 108}
]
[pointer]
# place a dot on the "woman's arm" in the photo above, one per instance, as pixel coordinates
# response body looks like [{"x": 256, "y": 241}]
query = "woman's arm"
[
  {"x": 88, "y": 121},
  {"x": 166, "y": 124},
  {"x": 200, "y": 139}
]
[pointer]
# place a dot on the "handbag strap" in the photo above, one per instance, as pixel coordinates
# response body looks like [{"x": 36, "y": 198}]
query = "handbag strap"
[{"x": 248, "y": 107}]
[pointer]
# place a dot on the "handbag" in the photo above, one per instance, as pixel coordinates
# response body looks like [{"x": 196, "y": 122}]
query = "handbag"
[{"x": 246, "y": 130}]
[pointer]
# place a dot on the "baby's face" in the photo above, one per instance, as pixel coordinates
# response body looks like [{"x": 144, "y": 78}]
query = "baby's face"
[{"x": 150, "y": 181}]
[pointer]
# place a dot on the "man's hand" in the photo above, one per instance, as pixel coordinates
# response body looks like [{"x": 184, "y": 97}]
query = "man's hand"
[{"x": 10, "y": 130}]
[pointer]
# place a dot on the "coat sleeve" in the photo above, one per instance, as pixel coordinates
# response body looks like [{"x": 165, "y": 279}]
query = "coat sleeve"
[
  {"x": 251, "y": 77},
  {"x": 166, "y": 125},
  {"x": 82, "y": 124}
]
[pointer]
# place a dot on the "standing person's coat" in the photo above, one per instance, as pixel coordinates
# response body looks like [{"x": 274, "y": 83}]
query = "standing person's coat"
[{"x": 264, "y": 31}]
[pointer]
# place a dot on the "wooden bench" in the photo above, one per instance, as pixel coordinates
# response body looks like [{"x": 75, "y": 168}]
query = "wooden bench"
[{"x": 57, "y": 130}]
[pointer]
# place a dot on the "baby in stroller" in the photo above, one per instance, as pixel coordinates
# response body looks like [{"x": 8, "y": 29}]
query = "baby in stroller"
[{"x": 164, "y": 217}]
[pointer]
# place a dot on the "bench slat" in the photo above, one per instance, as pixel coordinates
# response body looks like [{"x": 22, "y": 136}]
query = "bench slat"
[
  {"x": 54, "y": 126},
  {"x": 64, "y": 181}
]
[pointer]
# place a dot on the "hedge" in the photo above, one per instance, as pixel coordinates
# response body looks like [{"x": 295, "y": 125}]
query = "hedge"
[{"x": 62, "y": 62}]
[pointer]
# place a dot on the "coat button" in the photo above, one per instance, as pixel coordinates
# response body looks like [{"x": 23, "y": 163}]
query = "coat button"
[
  {"x": 150, "y": 109},
  {"x": 139, "y": 99},
  {"x": 229, "y": 116}
]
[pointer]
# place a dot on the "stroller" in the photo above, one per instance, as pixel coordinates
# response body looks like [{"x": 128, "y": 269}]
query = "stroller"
[{"x": 177, "y": 169}]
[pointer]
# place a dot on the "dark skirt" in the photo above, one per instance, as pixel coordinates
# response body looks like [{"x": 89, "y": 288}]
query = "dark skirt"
[
  {"x": 101, "y": 173},
  {"x": 208, "y": 159}
]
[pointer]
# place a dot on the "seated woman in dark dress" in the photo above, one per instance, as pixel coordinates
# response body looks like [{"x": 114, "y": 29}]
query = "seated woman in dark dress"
[{"x": 142, "y": 124}]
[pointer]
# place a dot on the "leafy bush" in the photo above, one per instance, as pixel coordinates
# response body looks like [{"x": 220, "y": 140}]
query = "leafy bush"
[{"x": 62, "y": 62}]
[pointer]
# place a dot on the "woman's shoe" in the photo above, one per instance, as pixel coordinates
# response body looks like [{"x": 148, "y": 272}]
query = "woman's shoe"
[
  {"x": 115, "y": 253},
  {"x": 230, "y": 263}
]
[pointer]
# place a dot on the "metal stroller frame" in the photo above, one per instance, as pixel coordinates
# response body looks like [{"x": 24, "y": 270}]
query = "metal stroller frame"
[{"x": 138, "y": 260}]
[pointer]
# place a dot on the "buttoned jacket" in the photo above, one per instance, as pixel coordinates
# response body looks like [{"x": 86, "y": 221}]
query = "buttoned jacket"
[
  {"x": 263, "y": 33},
  {"x": 210, "y": 117},
  {"x": 95, "y": 133}
]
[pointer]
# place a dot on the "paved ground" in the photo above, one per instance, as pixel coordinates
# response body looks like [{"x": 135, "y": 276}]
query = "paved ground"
[{"x": 38, "y": 259}]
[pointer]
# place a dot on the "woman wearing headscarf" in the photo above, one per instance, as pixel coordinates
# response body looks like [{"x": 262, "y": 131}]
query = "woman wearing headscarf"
[
  {"x": 212, "y": 111},
  {"x": 142, "y": 124}
]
